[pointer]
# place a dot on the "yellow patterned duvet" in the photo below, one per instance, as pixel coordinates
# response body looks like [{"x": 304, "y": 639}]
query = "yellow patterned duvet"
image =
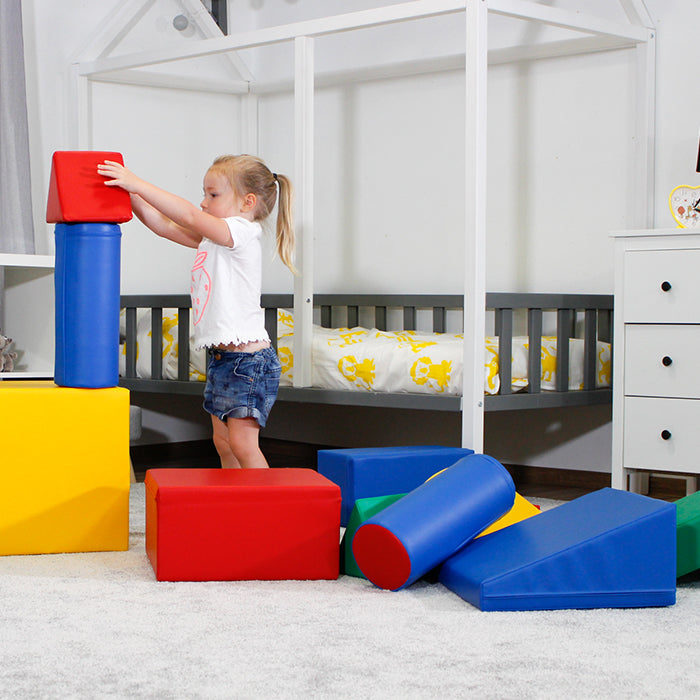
[{"x": 364, "y": 359}]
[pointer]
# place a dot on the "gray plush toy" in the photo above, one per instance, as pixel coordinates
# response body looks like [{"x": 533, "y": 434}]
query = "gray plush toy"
[{"x": 7, "y": 357}]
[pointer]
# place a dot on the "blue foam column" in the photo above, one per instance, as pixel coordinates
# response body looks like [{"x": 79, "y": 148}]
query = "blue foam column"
[
  {"x": 407, "y": 539},
  {"x": 608, "y": 549},
  {"x": 87, "y": 304}
]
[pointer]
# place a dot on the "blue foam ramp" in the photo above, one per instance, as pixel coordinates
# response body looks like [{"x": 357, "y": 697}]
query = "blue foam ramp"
[
  {"x": 608, "y": 549},
  {"x": 383, "y": 471}
]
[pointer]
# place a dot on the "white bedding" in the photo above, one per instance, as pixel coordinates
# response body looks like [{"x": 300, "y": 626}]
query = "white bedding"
[{"x": 362, "y": 359}]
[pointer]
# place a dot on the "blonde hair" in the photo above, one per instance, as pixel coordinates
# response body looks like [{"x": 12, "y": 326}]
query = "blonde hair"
[{"x": 248, "y": 174}]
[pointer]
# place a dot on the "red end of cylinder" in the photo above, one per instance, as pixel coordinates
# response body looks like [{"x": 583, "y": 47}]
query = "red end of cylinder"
[{"x": 381, "y": 556}]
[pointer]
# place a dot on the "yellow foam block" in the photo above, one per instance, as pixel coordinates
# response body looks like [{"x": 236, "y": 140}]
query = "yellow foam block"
[
  {"x": 521, "y": 510},
  {"x": 65, "y": 468}
]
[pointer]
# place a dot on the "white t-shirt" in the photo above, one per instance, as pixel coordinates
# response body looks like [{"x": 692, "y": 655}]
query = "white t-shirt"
[{"x": 225, "y": 288}]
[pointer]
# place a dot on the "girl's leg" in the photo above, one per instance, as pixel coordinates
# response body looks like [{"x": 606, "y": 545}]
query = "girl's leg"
[
  {"x": 243, "y": 441},
  {"x": 223, "y": 447}
]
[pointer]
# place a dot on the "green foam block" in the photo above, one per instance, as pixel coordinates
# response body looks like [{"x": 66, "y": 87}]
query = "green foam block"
[
  {"x": 363, "y": 509},
  {"x": 688, "y": 534}
]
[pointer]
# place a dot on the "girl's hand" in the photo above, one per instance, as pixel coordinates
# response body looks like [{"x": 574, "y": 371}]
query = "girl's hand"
[{"x": 120, "y": 176}]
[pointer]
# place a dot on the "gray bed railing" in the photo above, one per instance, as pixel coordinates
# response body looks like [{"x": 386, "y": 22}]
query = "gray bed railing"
[{"x": 594, "y": 311}]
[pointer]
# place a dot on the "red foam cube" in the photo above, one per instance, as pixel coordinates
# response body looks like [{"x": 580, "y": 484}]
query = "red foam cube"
[
  {"x": 77, "y": 194},
  {"x": 242, "y": 524}
]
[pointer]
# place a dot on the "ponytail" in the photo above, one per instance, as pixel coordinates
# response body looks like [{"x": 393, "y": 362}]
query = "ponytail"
[{"x": 285, "y": 221}]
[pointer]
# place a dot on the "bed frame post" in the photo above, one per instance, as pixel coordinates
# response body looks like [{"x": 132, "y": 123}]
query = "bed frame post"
[
  {"x": 475, "y": 235},
  {"x": 80, "y": 126},
  {"x": 646, "y": 129},
  {"x": 249, "y": 124},
  {"x": 641, "y": 195},
  {"x": 304, "y": 184}
]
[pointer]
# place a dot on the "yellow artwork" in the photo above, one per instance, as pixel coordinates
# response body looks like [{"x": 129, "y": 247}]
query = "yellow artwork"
[
  {"x": 169, "y": 322},
  {"x": 360, "y": 373},
  {"x": 424, "y": 371},
  {"x": 347, "y": 337},
  {"x": 549, "y": 363},
  {"x": 286, "y": 359},
  {"x": 604, "y": 373},
  {"x": 405, "y": 340},
  {"x": 492, "y": 379},
  {"x": 285, "y": 318}
]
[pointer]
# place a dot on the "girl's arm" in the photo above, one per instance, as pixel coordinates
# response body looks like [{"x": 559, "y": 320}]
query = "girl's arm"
[
  {"x": 191, "y": 221},
  {"x": 162, "y": 225}
]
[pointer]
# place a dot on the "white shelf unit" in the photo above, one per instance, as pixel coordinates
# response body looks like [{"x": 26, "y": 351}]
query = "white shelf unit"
[
  {"x": 28, "y": 313},
  {"x": 656, "y": 395}
]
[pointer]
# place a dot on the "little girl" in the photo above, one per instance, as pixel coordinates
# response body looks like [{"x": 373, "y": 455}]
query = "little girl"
[{"x": 243, "y": 370}]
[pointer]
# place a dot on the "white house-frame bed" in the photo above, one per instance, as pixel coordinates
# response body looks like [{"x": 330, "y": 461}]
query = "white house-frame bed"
[{"x": 591, "y": 34}]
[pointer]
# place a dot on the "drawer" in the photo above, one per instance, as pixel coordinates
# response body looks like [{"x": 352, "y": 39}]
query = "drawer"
[
  {"x": 645, "y": 448},
  {"x": 645, "y": 301},
  {"x": 662, "y": 360}
]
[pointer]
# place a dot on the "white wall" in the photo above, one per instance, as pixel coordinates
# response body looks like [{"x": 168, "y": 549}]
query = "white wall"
[
  {"x": 390, "y": 157},
  {"x": 140, "y": 122}
]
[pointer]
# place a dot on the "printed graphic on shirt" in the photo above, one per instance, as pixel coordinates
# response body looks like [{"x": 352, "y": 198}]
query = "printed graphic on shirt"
[{"x": 200, "y": 287}]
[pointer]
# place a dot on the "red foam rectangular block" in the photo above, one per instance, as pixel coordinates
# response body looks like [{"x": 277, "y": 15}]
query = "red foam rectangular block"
[
  {"x": 77, "y": 194},
  {"x": 242, "y": 524}
]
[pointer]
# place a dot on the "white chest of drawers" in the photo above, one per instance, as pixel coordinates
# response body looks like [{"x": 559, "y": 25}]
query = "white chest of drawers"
[{"x": 656, "y": 366}]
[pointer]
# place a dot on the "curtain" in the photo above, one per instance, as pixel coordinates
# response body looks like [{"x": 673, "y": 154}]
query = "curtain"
[{"x": 16, "y": 226}]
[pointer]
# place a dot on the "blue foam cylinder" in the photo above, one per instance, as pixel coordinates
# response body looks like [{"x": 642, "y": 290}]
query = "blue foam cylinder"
[
  {"x": 87, "y": 305},
  {"x": 407, "y": 539}
]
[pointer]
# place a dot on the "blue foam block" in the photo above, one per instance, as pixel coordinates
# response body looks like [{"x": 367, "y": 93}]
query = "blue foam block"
[
  {"x": 383, "y": 471},
  {"x": 608, "y": 549}
]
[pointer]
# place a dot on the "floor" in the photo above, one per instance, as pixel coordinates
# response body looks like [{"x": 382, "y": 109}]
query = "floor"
[{"x": 558, "y": 484}]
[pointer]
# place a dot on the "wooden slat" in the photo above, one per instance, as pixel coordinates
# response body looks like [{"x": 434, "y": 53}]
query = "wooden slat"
[
  {"x": 131, "y": 342},
  {"x": 564, "y": 323},
  {"x": 439, "y": 319},
  {"x": 590, "y": 350},
  {"x": 326, "y": 316},
  {"x": 271, "y": 325},
  {"x": 183, "y": 334},
  {"x": 380, "y": 317},
  {"x": 605, "y": 325},
  {"x": 534, "y": 351},
  {"x": 353, "y": 316},
  {"x": 504, "y": 330},
  {"x": 409, "y": 318},
  {"x": 157, "y": 343}
]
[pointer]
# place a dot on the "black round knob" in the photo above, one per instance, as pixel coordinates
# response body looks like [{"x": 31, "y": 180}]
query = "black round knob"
[
  {"x": 665, "y": 434},
  {"x": 666, "y": 361},
  {"x": 666, "y": 286}
]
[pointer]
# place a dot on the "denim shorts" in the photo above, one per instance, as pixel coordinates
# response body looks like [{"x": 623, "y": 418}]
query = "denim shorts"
[{"x": 242, "y": 384}]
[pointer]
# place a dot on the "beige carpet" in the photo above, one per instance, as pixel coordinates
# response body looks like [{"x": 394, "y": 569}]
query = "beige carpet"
[{"x": 100, "y": 626}]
